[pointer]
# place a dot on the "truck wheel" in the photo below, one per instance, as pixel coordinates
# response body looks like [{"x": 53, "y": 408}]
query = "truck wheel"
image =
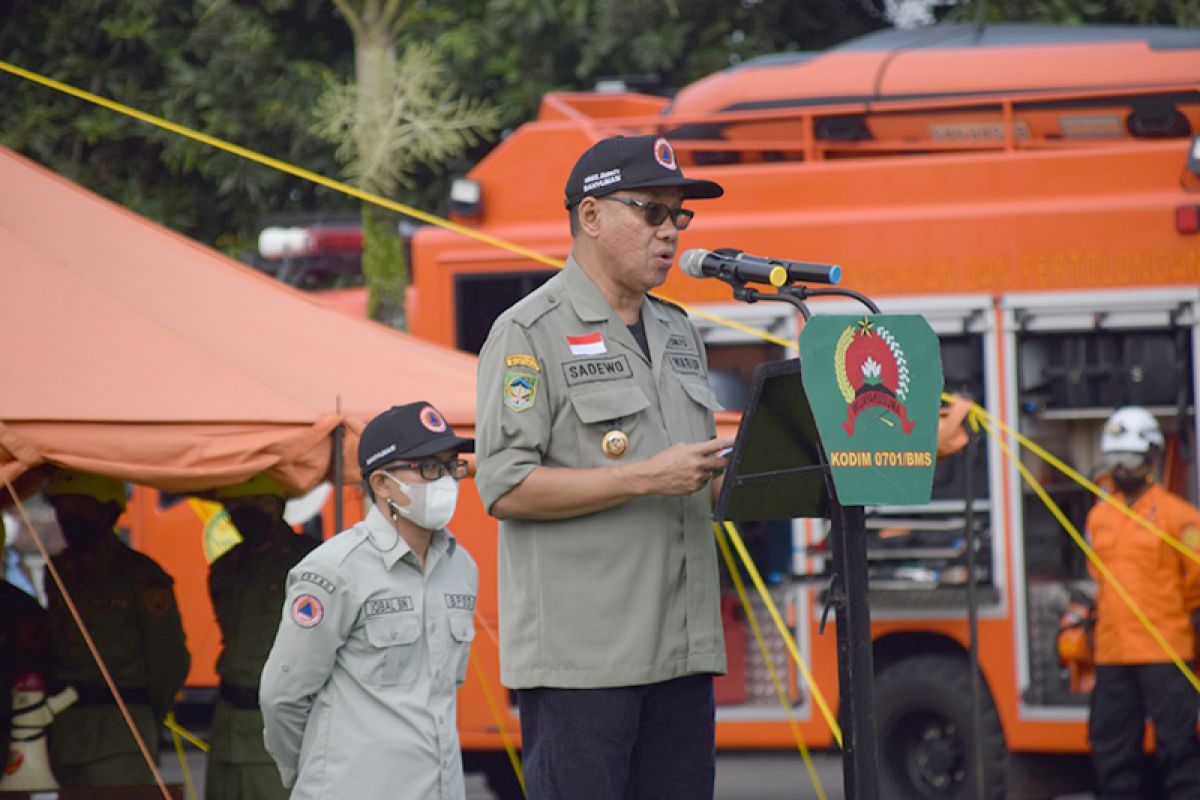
[{"x": 926, "y": 737}]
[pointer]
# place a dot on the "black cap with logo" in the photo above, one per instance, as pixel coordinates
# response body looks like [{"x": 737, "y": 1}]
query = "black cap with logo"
[
  {"x": 632, "y": 162},
  {"x": 404, "y": 432}
]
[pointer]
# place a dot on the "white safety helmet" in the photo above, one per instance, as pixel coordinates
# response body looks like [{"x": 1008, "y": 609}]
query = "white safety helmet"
[{"x": 1131, "y": 429}]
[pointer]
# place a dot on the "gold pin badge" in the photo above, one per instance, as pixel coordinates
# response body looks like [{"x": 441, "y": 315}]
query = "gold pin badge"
[{"x": 615, "y": 443}]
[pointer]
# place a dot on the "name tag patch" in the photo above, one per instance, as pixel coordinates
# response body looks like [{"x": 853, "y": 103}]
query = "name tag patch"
[
  {"x": 688, "y": 365},
  {"x": 463, "y": 601},
  {"x": 677, "y": 342},
  {"x": 614, "y": 368},
  {"x": 317, "y": 580},
  {"x": 387, "y": 605}
]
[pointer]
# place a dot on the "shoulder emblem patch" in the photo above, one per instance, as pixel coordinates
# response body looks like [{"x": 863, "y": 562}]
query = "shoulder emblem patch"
[
  {"x": 523, "y": 360},
  {"x": 520, "y": 390},
  {"x": 307, "y": 611},
  {"x": 157, "y": 600}
]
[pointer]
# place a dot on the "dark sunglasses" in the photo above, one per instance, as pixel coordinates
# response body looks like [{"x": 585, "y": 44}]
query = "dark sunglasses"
[
  {"x": 433, "y": 468},
  {"x": 656, "y": 214}
]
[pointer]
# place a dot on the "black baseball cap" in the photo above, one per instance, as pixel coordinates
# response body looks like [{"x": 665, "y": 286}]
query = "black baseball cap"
[
  {"x": 403, "y": 432},
  {"x": 632, "y": 162}
]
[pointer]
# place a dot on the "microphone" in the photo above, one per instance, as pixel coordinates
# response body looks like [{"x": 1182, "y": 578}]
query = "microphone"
[{"x": 734, "y": 265}]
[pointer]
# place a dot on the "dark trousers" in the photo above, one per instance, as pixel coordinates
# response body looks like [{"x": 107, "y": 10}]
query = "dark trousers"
[
  {"x": 1124, "y": 696},
  {"x": 653, "y": 742}
]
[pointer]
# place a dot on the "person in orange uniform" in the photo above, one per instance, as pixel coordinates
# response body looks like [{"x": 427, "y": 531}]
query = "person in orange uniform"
[{"x": 1135, "y": 677}]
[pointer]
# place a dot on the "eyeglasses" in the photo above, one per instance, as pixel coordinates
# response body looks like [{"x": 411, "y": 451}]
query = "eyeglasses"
[
  {"x": 433, "y": 468},
  {"x": 656, "y": 214}
]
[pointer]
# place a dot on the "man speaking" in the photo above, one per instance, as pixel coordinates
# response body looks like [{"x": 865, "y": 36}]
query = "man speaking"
[{"x": 596, "y": 452}]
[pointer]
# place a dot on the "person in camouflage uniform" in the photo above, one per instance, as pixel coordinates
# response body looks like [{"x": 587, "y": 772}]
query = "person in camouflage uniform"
[
  {"x": 247, "y": 586},
  {"x": 128, "y": 606}
]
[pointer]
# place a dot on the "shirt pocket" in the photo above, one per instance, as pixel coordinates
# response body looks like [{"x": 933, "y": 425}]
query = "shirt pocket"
[
  {"x": 396, "y": 649},
  {"x": 704, "y": 405},
  {"x": 610, "y": 407},
  {"x": 462, "y": 633}
]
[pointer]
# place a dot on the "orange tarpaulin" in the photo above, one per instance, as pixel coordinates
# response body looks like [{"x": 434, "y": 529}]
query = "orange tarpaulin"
[{"x": 133, "y": 351}]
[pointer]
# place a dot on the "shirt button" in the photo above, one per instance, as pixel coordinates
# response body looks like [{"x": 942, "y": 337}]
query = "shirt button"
[{"x": 432, "y": 627}]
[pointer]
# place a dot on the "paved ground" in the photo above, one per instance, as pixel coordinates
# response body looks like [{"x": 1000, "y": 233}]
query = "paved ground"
[{"x": 749, "y": 776}]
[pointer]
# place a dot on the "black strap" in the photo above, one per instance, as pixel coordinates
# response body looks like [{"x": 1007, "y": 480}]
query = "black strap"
[
  {"x": 243, "y": 698},
  {"x": 101, "y": 696}
]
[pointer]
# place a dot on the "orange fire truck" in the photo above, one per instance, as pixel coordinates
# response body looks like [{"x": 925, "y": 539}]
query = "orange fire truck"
[{"x": 1035, "y": 193}]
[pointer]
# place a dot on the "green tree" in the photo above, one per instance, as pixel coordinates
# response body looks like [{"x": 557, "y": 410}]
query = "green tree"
[
  {"x": 517, "y": 50},
  {"x": 1184, "y": 13},
  {"x": 398, "y": 115},
  {"x": 245, "y": 71}
]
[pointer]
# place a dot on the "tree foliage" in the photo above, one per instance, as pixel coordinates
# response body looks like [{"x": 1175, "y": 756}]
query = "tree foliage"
[
  {"x": 398, "y": 114},
  {"x": 514, "y": 51},
  {"x": 252, "y": 71},
  {"x": 1184, "y": 13},
  {"x": 245, "y": 71},
  {"x": 425, "y": 120}
]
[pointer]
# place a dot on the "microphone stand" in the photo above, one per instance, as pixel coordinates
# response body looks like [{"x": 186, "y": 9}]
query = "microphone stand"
[
  {"x": 847, "y": 593},
  {"x": 795, "y": 295}
]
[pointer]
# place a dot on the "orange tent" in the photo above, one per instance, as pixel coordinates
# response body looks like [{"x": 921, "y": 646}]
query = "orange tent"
[{"x": 132, "y": 351}]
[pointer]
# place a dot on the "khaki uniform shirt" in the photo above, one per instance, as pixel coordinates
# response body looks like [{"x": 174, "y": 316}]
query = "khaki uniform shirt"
[
  {"x": 358, "y": 691},
  {"x": 620, "y": 597},
  {"x": 247, "y": 590},
  {"x": 128, "y": 606}
]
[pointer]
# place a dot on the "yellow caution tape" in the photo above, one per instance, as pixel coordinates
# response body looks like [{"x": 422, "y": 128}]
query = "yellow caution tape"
[
  {"x": 513, "y": 758},
  {"x": 338, "y": 186},
  {"x": 174, "y": 727},
  {"x": 788, "y": 640},
  {"x": 760, "y": 641},
  {"x": 183, "y": 765},
  {"x": 1100, "y": 566},
  {"x": 978, "y": 414}
]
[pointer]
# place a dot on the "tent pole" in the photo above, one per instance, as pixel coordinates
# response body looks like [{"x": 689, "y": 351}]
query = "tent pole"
[{"x": 339, "y": 476}]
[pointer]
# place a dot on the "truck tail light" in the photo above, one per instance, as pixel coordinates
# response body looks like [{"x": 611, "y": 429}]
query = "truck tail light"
[
  {"x": 1187, "y": 219},
  {"x": 337, "y": 239}
]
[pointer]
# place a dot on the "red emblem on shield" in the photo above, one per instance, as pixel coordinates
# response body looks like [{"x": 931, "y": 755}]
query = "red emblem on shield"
[{"x": 872, "y": 372}]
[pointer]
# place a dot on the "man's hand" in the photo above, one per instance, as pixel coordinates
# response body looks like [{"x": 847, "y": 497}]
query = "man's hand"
[{"x": 682, "y": 468}]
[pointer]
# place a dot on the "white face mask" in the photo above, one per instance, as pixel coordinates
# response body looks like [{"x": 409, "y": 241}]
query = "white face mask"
[{"x": 431, "y": 505}]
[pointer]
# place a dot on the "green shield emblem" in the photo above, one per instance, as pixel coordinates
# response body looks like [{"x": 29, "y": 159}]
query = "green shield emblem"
[{"x": 874, "y": 384}]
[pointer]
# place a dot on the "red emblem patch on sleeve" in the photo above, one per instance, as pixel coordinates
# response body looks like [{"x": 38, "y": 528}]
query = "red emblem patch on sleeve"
[
  {"x": 157, "y": 600},
  {"x": 307, "y": 611}
]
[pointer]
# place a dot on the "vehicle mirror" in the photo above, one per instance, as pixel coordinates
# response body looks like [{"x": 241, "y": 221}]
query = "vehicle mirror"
[{"x": 1193, "y": 161}]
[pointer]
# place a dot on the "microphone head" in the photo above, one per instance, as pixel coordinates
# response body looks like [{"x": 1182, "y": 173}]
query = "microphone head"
[{"x": 692, "y": 262}]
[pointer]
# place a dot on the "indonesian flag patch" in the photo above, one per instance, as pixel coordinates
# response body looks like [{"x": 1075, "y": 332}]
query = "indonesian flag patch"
[{"x": 589, "y": 344}]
